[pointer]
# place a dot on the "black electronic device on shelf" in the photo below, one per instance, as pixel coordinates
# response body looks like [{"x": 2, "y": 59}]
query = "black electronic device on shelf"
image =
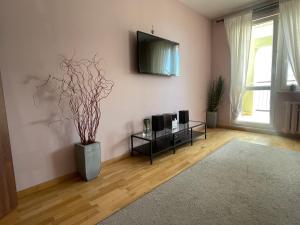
[
  {"x": 158, "y": 123},
  {"x": 168, "y": 120},
  {"x": 183, "y": 116}
]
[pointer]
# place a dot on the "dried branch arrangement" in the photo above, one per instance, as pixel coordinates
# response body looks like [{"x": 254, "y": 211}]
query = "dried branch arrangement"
[{"x": 82, "y": 86}]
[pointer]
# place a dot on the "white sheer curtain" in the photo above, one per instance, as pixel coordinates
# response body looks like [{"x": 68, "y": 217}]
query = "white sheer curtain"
[
  {"x": 290, "y": 31},
  {"x": 238, "y": 29}
]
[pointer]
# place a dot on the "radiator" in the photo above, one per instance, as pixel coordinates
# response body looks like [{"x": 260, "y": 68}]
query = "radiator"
[{"x": 292, "y": 118}]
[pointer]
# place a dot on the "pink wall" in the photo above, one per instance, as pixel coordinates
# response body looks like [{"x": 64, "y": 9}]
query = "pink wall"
[
  {"x": 221, "y": 66},
  {"x": 35, "y": 32}
]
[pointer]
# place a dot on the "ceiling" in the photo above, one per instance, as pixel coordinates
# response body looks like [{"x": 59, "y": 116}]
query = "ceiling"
[{"x": 217, "y": 8}]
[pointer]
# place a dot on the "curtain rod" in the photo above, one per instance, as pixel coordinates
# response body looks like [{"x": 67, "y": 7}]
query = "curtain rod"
[{"x": 257, "y": 9}]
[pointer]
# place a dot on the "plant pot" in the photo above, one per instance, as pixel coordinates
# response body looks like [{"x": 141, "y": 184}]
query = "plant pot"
[
  {"x": 88, "y": 160},
  {"x": 211, "y": 119}
]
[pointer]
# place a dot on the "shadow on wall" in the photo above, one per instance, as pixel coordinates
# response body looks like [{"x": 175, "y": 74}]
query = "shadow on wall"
[
  {"x": 118, "y": 143},
  {"x": 45, "y": 101},
  {"x": 121, "y": 139},
  {"x": 63, "y": 160}
]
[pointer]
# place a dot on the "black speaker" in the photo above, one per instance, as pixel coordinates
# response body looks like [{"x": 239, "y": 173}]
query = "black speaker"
[
  {"x": 183, "y": 116},
  {"x": 168, "y": 120},
  {"x": 158, "y": 123},
  {"x": 174, "y": 116}
]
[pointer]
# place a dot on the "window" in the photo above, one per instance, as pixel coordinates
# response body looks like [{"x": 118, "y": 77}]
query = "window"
[
  {"x": 285, "y": 74},
  {"x": 290, "y": 77}
]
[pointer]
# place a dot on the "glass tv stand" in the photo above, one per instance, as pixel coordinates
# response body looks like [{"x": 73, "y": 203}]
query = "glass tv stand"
[{"x": 153, "y": 143}]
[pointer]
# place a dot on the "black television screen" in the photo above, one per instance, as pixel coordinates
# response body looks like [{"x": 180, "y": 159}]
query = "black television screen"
[{"x": 157, "y": 55}]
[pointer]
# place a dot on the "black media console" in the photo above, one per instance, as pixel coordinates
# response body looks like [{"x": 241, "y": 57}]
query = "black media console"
[{"x": 156, "y": 142}]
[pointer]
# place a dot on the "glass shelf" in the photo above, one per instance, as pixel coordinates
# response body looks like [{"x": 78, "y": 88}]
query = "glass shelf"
[{"x": 151, "y": 135}]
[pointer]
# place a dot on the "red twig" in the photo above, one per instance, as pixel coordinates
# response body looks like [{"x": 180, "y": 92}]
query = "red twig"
[{"x": 82, "y": 86}]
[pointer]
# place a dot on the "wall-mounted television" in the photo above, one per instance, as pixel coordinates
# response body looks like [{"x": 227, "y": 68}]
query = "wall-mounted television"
[{"x": 157, "y": 55}]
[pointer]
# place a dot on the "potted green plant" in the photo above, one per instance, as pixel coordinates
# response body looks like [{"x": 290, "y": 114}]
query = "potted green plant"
[
  {"x": 215, "y": 94},
  {"x": 80, "y": 90}
]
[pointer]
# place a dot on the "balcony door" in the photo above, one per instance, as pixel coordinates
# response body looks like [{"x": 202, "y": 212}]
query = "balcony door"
[{"x": 257, "y": 106}]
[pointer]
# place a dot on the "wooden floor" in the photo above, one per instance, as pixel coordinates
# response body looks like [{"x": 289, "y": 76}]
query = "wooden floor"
[{"x": 122, "y": 182}]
